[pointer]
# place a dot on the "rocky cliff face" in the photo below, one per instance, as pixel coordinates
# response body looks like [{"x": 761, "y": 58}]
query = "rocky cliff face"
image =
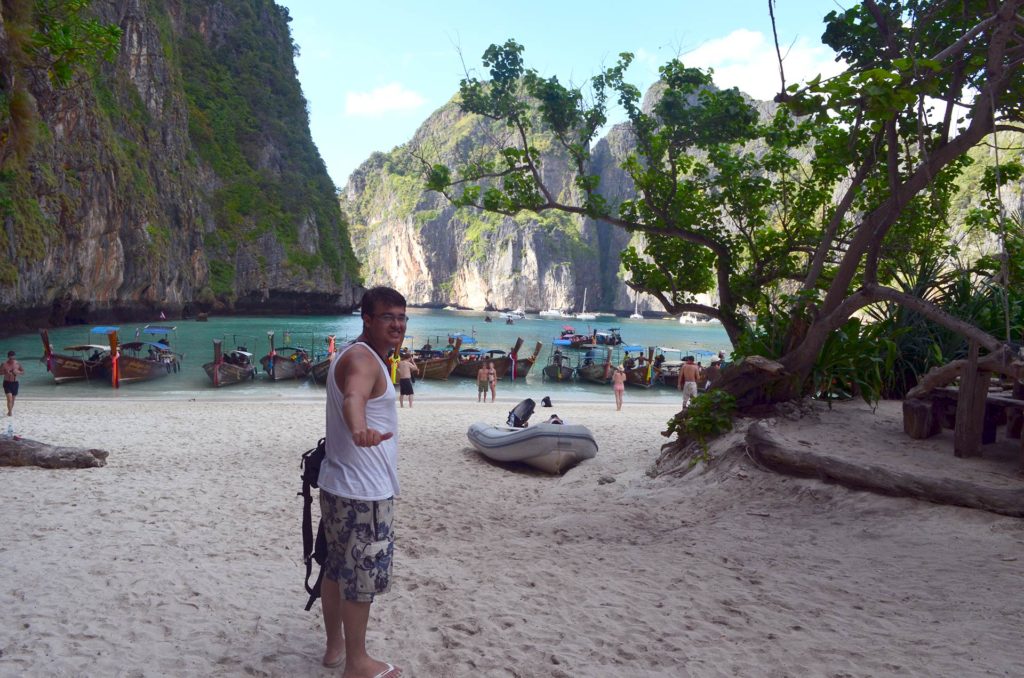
[
  {"x": 436, "y": 255},
  {"x": 181, "y": 177}
]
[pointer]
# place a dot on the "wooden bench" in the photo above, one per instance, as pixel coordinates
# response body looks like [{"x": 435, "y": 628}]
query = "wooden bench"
[{"x": 941, "y": 408}]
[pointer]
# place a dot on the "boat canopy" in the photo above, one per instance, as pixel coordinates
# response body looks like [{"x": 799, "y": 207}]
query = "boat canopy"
[
  {"x": 466, "y": 339},
  {"x": 136, "y": 345},
  {"x": 87, "y": 347},
  {"x": 158, "y": 329},
  {"x": 104, "y": 329},
  {"x": 561, "y": 342},
  {"x": 630, "y": 348}
]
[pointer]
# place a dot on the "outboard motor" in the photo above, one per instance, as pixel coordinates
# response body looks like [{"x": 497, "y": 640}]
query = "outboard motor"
[{"x": 521, "y": 413}]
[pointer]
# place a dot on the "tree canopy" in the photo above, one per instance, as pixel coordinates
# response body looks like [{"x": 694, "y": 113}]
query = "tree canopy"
[{"x": 809, "y": 213}]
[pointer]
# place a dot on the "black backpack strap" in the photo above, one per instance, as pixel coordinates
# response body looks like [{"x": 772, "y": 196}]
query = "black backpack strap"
[
  {"x": 319, "y": 554},
  {"x": 312, "y": 549}
]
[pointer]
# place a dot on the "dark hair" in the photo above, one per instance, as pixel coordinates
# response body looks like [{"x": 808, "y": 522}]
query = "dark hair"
[
  {"x": 380, "y": 296},
  {"x": 10, "y": 354}
]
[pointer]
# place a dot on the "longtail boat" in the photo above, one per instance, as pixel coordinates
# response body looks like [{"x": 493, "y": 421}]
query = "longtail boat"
[
  {"x": 596, "y": 364},
  {"x": 644, "y": 373},
  {"x": 522, "y": 366},
  {"x": 321, "y": 367},
  {"x": 471, "y": 360},
  {"x": 570, "y": 338},
  {"x": 438, "y": 364},
  {"x": 559, "y": 367},
  {"x": 130, "y": 365},
  {"x": 230, "y": 367},
  {"x": 88, "y": 361},
  {"x": 288, "y": 362},
  {"x": 609, "y": 337}
]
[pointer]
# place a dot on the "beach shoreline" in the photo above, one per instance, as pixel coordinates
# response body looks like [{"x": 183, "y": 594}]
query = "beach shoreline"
[{"x": 182, "y": 556}]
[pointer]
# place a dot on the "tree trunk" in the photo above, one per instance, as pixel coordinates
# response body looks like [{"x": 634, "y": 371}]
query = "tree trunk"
[
  {"x": 24, "y": 452},
  {"x": 768, "y": 452}
]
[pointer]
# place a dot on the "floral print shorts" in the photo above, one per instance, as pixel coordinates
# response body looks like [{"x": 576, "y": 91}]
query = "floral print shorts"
[{"x": 360, "y": 545}]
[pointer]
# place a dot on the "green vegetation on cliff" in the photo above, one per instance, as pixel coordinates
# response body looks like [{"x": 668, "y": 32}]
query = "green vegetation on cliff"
[
  {"x": 248, "y": 120},
  {"x": 54, "y": 38}
]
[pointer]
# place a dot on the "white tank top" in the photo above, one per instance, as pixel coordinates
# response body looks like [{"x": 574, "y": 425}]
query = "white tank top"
[{"x": 364, "y": 473}]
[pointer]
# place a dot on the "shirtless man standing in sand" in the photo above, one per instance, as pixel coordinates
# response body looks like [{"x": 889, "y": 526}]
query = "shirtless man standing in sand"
[
  {"x": 689, "y": 374},
  {"x": 483, "y": 382},
  {"x": 11, "y": 369},
  {"x": 406, "y": 367},
  {"x": 358, "y": 484}
]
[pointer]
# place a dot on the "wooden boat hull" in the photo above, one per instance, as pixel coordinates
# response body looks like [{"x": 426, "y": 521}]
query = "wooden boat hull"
[
  {"x": 598, "y": 373},
  {"x": 640, "y": 376},
  {"x": 524, "y": 365},
  {"x": 226, "y": 374},
  {"x": 558, "y": 373},
  {"x": 552, "y": 448},
  {"x": 132, "y": 369},
  {"x": 438, "y": 368},
  {"x": 282, "y": 368},
  {"x": 469, "y": 368},
  {"x": 72, "y": 368},
  {"x": 320, "y": 370}
]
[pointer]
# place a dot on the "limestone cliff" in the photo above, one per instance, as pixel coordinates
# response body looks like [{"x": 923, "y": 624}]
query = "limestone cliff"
[
  {"x": 179, "y": 177},
  {"x": 438, "y": 255}
]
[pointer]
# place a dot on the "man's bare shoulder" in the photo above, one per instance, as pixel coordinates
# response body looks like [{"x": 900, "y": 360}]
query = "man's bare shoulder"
[{"x": 357, "y": 354}]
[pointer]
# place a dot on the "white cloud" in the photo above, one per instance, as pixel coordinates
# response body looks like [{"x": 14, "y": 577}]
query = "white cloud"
[
  {"x": 393, "y": 97},
  {"x": 747, "y": 60}
]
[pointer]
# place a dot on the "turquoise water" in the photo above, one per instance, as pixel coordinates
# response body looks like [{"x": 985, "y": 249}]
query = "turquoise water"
[{"x": 195, "y": 341}]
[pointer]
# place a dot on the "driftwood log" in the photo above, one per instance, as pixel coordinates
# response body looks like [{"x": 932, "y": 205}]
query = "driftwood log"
[
  {"x": 26, "y": 452},
  {"x": 767, "y": 451}
]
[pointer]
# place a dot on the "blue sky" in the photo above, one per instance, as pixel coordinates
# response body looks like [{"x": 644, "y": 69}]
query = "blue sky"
[{"x": 373, "y": 72}]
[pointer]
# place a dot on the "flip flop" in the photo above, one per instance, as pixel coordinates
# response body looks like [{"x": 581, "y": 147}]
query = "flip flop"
[
  {"x": 336, "y": 663},
  {"x": 386, "y": 671}
]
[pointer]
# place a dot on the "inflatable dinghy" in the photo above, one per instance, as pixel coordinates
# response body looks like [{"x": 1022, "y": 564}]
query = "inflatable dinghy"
[{"x": 549, "y": 447}]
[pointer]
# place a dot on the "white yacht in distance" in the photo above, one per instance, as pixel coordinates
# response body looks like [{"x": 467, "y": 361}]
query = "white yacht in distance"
[{"x": 551, "y": 313}]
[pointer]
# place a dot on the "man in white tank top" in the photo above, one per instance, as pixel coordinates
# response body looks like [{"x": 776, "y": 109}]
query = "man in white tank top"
[{"x": 358, "y": 483}]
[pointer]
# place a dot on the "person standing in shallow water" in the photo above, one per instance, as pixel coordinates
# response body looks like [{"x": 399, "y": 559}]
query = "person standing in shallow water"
[
  {"x": 12, "y": 369},
  {"x": 358, "y": 484},
  {"x": 619, "y": 386}
]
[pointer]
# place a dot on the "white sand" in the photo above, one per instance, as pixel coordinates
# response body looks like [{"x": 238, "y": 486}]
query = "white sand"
[{"x": 182, "y": 558}]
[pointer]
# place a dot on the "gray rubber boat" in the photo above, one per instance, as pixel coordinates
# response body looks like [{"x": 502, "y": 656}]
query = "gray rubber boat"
[{"x": 548, "y": 447}]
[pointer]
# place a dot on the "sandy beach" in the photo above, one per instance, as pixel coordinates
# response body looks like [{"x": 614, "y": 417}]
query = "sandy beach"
[{"x": 182, "y": 557}]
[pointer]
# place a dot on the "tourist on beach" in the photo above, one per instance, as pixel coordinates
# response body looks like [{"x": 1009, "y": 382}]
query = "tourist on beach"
[
  {"x": 628, "y": 362},
  {"x": 483, "y": 382},
  {"x": 492, "y": 379},
  {"x": 618, "y": 386},
  {"x": 689, "y": 375},
  {"x": 406, "y": 368},
  {"x": 11, "y": 369},
  {"x": 358, "y": 483},
  {"x": 712, "y": 374}
]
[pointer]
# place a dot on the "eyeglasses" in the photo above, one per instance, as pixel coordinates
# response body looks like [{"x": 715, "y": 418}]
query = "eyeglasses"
[{"x": 391, "y": 317}]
